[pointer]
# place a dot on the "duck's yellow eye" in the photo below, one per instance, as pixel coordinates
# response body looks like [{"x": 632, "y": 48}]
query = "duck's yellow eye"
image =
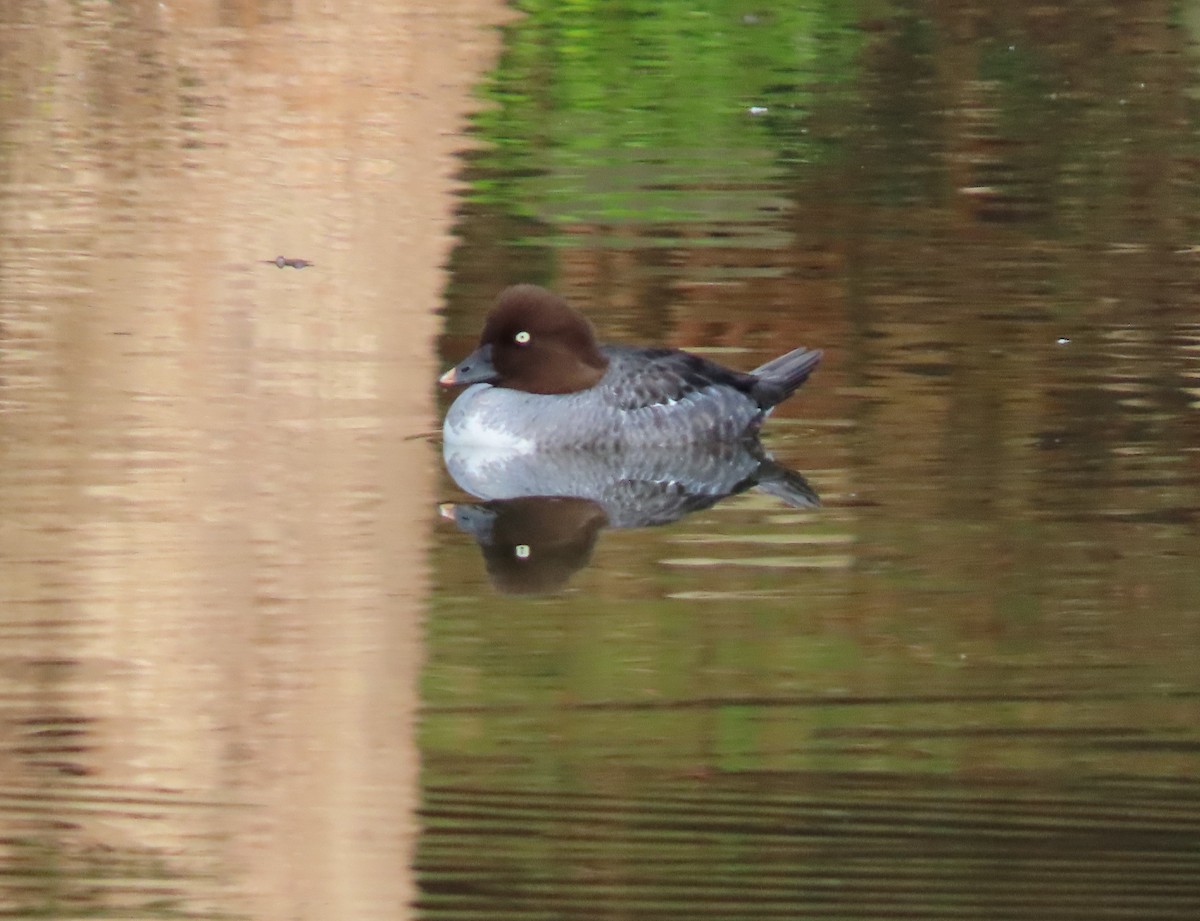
[
  {"x": 522, "y": 337},
  {"x": 521, "y": 551}
]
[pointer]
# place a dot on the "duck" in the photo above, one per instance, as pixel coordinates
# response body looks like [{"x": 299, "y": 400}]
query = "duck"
[{"x": 539, "y": 380}]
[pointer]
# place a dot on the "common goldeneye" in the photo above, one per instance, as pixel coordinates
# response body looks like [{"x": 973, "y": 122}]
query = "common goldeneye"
[{"x": 539, "y": 380}]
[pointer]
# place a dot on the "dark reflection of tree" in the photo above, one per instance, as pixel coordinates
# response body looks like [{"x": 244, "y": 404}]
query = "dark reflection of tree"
[
  {"x": 54, "y": 876},
  {"x": 59, "y": 854},
  {"x": 753, "y": 845}
]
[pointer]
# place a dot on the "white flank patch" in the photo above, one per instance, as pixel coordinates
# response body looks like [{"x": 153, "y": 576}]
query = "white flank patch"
[
  {"x": 475, "y": 433},
  {"x": 471, "y": 422}
]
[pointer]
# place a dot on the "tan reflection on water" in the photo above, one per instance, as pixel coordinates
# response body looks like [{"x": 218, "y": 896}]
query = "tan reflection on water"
[{"x": 213, "y": 514}]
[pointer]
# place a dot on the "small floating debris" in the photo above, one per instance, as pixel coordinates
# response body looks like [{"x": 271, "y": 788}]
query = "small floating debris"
[
  {"x": 758, "y": 110},
  {"x": 979, "y": 191},
  {"x": 1063, "y": 340},
  {"x": 283, "y": 262}
]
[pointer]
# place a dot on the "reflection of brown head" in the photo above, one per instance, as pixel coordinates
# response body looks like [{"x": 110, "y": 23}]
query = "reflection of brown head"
[{"x": 532, "y": 546}]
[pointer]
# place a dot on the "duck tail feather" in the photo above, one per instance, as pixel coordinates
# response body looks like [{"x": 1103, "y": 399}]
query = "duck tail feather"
[{"x": 780, "y": 377}]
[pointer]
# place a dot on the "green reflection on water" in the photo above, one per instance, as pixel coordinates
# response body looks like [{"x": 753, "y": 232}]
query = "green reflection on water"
[{"x": 647, "y": 111}]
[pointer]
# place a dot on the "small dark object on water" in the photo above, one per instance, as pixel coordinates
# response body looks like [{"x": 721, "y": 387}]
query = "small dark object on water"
[{"x": 283, "y": 262}]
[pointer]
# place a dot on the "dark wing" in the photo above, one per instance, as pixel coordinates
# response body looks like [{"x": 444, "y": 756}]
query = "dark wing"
[{"x": 641, "y": 377}]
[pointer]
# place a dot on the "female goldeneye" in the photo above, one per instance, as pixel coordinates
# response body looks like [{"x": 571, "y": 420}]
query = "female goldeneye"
[{"x": 539, "y": 380}]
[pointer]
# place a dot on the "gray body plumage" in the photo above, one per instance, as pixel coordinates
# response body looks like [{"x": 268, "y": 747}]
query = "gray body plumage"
[{"x": 647, "y": 397}]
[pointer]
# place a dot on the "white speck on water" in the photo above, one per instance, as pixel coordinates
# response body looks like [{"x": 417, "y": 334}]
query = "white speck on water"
[
  {"x": 758, "y": 110},
  {"x": 1063, "y": 340}
]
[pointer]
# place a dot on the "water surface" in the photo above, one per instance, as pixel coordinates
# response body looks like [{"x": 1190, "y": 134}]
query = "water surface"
[
  {"x": 249, "y": 670},
  {"x": 965, "y": 685},
  {"x": 213, "y": 509}
]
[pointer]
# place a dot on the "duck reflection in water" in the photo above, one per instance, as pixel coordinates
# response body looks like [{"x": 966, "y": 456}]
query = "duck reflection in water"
[{"x": 541, "y": 512}]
